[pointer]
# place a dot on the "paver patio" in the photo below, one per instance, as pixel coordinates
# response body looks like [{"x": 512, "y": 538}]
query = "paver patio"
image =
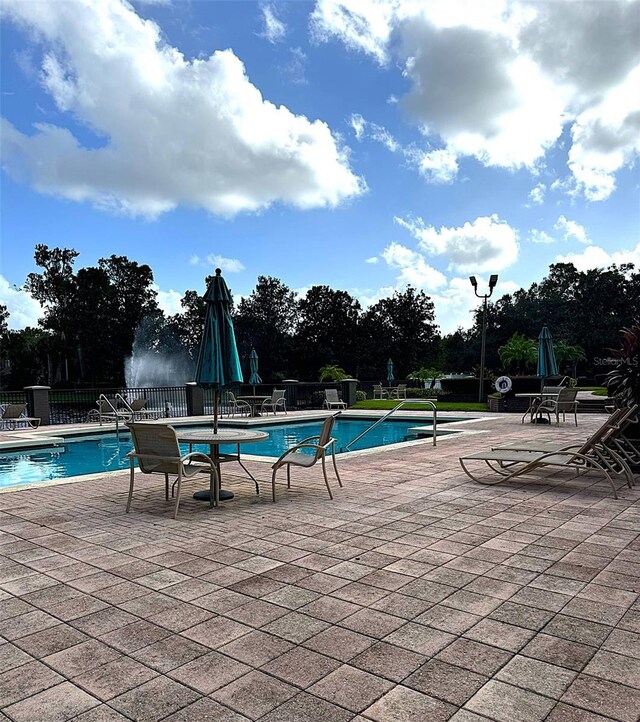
[{"x": 416, "y": 595}]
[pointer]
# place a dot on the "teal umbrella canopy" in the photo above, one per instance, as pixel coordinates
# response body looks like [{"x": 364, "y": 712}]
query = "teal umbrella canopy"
[
  {"x": 218, "y": 365},
  {"x": 547, "y": 365},
  {"x": 253, "y": 368},
  {"x": 390, "y": 376}
]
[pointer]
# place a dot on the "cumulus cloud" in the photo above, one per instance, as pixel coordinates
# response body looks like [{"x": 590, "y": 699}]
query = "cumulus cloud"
[
  {"x": 414, "y": 269},
  {"x": 24, "y": 311},
  {"x": 571, "y": 229},
  {"x": 538, "y": 236},
  {"x": 366, "y": 129},
  {"x": 274, "y": 29},
  {"x": 215, "y": 260},
  {"x": 500, "y": 81},
  {"x": 168, "y": 301},
  {"x": 486, "y": 244},
  {"x": 112, "y": 72},
  {"x": 596, "y": 257},
  {"x": 437, "y": 166},
  {"x": 373, "y": 259}
]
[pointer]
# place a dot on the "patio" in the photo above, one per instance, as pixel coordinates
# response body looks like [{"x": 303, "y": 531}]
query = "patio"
[{"x": 416, "y": 595}]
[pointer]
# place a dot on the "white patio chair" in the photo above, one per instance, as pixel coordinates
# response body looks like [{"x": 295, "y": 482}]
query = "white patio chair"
[
  {"x": 12, "y": 415},
  {"x": 332, "y": 401},
  {"x": 236, "y": 405},
  {"x": 321, "y": 444},
  {"x": 277, "y": 401},
  {"x": 157, "y": 451}
]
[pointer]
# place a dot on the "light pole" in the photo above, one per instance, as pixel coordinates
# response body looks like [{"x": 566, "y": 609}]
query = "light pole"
[{"x": 492, "y": 282}]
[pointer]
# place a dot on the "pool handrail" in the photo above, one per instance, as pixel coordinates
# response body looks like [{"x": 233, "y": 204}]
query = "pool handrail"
[{"x": 434, "y": 408}]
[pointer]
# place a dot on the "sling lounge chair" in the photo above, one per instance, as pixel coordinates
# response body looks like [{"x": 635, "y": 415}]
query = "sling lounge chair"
[
  {"x": 157, "y": 451},
  {"x": 592, "y": 455},
  {"x": 379, "y": 392},
  {"x": 13, "y": 415},
  {"x": 234, "y": 405},
  {"x": 564, "y": 402},
  {"x": 331, "y": 400},
  {"x": 139, "y": 411},
  {"x": 321, "y": 444}
]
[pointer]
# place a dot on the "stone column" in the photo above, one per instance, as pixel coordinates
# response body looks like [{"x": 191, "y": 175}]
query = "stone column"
[
  {"x": 348, "y": 391},
  {"x": 195, "y": 399},
  {"x": 38, "y": 403}
]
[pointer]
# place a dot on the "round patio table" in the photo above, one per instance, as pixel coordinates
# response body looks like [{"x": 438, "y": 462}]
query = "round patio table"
[
  {"x": 533, "y": 407},
  {"x": 254, "y": 401},
  {"x": 213, "y": 440}
]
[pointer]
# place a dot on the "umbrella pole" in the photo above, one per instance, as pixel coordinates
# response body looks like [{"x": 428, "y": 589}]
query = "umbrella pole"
[{"x": 216, "y": 400}]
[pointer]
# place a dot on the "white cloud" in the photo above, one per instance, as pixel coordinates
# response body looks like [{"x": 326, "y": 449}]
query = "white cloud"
[
  {"x": 373, "y": 259},
  {"x": 112, "y": 72},
  {"x": 215, "y": 260},
  {"x": 571, "y": 229},
  {"x": 536, "y": 195},
  {"x": 365, "y": 129},
  {"x": 169, "y": 301},
  {"x": 414, "y": 270},
  {"x": 274, "y": 29},
  {"x": 295, "y": 69},
  {"x": 487, "y": 244},
  {"x": 500, "y": 81},
  {"x": 24, "y": 310},
  {"x": 438, "y": 166},
  {"x": 596, "y": 257},
  {"x": 538, "y": 236}
]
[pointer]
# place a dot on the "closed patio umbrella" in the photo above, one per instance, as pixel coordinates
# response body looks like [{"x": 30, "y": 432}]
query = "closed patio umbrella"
[
  {"x": 253, "y": 367},
  {"x": 547, "y": 365},
  {"x": 390, "y": 377},
  {"x": 218, "y": 364}
]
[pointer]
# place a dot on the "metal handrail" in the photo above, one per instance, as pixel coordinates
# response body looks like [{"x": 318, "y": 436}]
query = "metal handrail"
[{"x": 393, "y": 410}]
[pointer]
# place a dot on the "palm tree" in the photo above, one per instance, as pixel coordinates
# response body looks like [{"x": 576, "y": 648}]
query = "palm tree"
[
  {"x": 331, "y": 372},
  {"x": 567, "y": 354},
  {"x": 424, "y": 374},
  {"x": 518, "y": 350}
]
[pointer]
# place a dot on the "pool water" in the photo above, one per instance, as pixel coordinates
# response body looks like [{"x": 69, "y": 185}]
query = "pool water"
[{"x": 108, "y": 452}]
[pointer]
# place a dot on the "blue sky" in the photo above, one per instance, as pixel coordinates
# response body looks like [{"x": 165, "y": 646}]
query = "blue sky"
[{"x": 362, "y": 145}]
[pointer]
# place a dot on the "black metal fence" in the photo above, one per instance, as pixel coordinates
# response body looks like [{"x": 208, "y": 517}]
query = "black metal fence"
[{"x": 12, "y": 397}]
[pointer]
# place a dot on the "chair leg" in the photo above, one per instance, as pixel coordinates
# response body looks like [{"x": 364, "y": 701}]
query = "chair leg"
[
  {"x": 130, "y": 487},
  {"x": 326, "y": 478},
  {"x": 179, "y": 483},
  {"x": 335, "y": 465},
  {"x": 288, "y": 476},
  {"x": 166, "y": 487},
  {"x": 273, "y": 485}
]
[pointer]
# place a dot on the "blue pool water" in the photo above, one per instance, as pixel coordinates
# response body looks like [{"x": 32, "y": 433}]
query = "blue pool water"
[{"x": 108, "y": 452}]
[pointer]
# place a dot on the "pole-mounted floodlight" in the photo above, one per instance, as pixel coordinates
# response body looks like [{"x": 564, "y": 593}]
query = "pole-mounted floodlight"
[{"x": 493, "y": 280}]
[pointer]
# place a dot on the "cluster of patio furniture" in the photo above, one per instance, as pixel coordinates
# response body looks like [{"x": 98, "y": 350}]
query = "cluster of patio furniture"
[
  {"x": 157, "y": 451},
  {"x": 389, "y": 392},
  {"x": 609, "y": 451},
  {"x": 116, "y": 409},
  {"x": 256, "y": 405}
]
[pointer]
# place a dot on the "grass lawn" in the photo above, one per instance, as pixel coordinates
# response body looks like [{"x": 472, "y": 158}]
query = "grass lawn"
[{"x": 377, "y": 405}]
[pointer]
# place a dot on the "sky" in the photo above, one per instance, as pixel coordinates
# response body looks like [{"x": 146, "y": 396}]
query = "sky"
[{"x": 361, "y": 145}]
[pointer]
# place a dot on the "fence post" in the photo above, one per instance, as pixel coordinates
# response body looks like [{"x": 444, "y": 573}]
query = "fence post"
[
  {"x": 195, "y": 399},
  {"x": 38, "y": 403},
  {"x": 348, "y": 391}
]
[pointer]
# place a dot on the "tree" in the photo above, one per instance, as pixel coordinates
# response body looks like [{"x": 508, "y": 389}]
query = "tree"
[
  {"x": 265, "y": 320},
  {"x": 330, "y": 372},
  {"x": 566, "y": 355},
  {"x": 518, "y": 351},
  {"x": 400, "y": 327},
  {"x": 327, "y": 320}
]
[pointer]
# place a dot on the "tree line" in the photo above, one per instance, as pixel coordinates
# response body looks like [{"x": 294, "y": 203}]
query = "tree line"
[{"x": 93, "y": 316}]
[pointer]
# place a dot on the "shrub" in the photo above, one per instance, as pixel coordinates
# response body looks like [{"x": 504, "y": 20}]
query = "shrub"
[{"x": 361, "y": 396}]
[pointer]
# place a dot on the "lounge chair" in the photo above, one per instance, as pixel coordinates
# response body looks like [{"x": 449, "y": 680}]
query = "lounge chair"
[
  {"x": 320, "y": 444},
  {"x": 564, "y": 402},
  {"x": 235, "y": 405},
  {"x": 379, "y": 392},
  {"x": 157, "y": 451},
  {"x": 277, "y": 401},
  {"x": 331, "y": 400},
  {"x": 139, "y": 411},
  {"x": 510, "y": 463},
  {"x": 13, "y": 415}
]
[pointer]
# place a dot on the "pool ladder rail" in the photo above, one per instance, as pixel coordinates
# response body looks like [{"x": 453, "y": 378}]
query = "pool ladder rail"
[{"x": 397, "y": 407}]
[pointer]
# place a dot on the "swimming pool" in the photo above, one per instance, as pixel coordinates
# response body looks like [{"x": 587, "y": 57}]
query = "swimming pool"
[{"x": 78, "y": 457}]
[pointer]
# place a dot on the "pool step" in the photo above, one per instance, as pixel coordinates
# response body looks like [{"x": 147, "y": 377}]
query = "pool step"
[{"x": 421, "y": 430}]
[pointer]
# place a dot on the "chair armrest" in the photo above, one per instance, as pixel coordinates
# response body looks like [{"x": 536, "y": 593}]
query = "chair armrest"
[{"x": 197, "y": 455}]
